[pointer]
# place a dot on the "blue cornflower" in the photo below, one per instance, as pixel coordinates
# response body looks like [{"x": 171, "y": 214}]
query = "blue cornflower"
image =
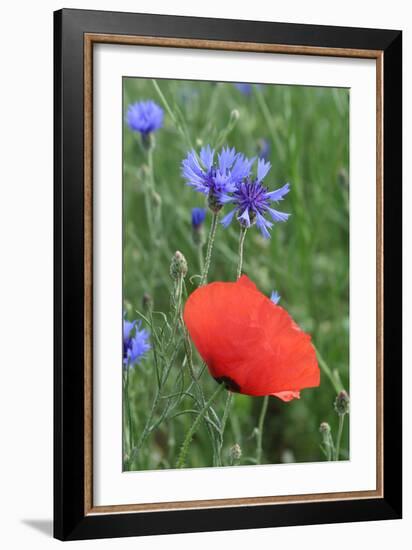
[
  {"x": 134, "y": 346},
  {"x": 275, "y": 296},
  {"x": 215, "y": 179},
  {"x": 252, "y": 202},
  {"x": 145, "y": 117},
  {"x": 263, "y": 149},
  {"x": 198, "y": 217},
  {"x": 245, "y": 88}
]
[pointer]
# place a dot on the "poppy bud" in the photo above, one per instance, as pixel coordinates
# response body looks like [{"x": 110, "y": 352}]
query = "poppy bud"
[
  {"x": 178, "y": 266},
  {"x": 342, "y": 403},
  {"x": 235, "y": 451}
]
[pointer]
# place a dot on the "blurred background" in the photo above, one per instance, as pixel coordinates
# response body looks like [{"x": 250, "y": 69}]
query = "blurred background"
[{"x": 304, "y": 133}]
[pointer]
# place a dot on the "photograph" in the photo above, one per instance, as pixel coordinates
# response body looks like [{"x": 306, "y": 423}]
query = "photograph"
[{"x": 235, "y": 314}]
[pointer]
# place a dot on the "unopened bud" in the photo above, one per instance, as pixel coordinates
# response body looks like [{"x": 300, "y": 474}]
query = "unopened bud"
[
  {"x": 342, "y": 403},
  {"x": 234, "y": 115},
  {"x": 178, "y": 266},
  {"x": 147, "y": 302},
  {"x": 235, "y": 451},
  {"x": 324, "y": 428}
]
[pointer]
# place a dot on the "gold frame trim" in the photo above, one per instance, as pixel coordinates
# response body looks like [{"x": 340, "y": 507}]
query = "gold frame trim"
[{"x": 89, "y": 40}]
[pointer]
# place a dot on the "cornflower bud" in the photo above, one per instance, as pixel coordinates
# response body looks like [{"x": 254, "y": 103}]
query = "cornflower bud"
[
  {"x": 235, "y": 452},
  {"x": 342, "y": 403},
  {"x": 178, "y": 266}
]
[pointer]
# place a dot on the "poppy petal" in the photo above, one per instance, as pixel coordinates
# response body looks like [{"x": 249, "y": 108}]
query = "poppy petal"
[
  {"x": 287, "y": 395},
  {"x": 247, "y": 341}
]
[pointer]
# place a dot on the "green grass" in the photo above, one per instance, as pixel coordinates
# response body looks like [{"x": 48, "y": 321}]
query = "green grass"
[{"x": 306, "y": 259}]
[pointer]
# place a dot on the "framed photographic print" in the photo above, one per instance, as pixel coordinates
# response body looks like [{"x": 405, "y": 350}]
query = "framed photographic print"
[{"x": 227, "y": 274}]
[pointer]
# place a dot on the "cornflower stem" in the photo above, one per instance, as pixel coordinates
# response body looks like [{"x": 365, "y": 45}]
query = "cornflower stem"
[
  {"x": 242, "y": 236},
  {"x": 262, "y": 416},
  {"x": 128, "y": 409},
  {"x": 200, "y": 256},
  {"x": 339, "y": 436},
  {"x": 210, "y": 243},
  {"x": 185, "y": 446},
  {"x": 148, "y": 193}
]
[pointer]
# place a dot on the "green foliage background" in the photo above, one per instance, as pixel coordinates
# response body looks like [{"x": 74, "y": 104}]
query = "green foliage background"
[{"x": 306, "y": 260}]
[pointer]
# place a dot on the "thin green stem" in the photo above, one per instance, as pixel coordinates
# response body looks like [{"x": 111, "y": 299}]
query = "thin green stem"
[
  {"x": 260, "y": 429},
  {"x": 200, "y": 256},
  {"x": 242, "y": 236},
  {"x": 210, "y": 242},
  {"x": 269, "y": 120},
  {"x": 128, "y": 409},
  {"x": 225, "y": 416},
  {"x": 339, "y": 436},
  {"x": 185, "y": 446},
  {"x": 148, "y": 195},
  {"x": 189, "y": 357},
  {"x": 335, "y": 380},
  {"x": 176, "y": 123}
]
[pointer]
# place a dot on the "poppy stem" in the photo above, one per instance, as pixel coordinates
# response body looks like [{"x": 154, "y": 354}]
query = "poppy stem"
[
  {"x": 185, "y": 446},
  {"x": 241, "y": 243},
  {"x": 210, "y": 242},
  {"x": 225, "y": 416},
  {"x": 260, "y": 429}
]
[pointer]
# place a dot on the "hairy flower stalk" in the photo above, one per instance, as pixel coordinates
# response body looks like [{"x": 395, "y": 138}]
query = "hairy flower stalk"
[
  {"x": 210, "y": 243},
  {"x": 241, "y": 243},
  {"x": 189, "y": 436},
  {"x": 198, "y": 218},
  {"x": 261, "y": 423},
  {"x": 226, "y": 412},
  {"x": 178, "y": 271}
]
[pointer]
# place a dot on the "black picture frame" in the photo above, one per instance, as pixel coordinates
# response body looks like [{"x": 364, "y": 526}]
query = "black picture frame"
[{"x": 71, "y": 522}]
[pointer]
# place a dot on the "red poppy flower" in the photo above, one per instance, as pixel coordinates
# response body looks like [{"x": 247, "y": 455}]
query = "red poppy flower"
[{"x": 249, "y": 343}]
